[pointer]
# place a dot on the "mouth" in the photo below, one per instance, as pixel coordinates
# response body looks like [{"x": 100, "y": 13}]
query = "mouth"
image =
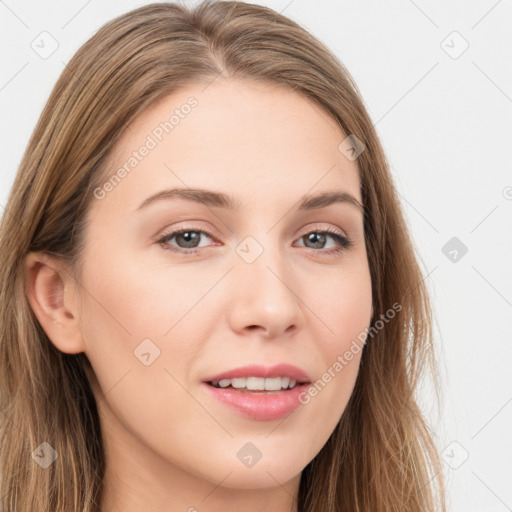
[
  {"x": 269, "y": 385},
  {"x": 262, "y": 399}
]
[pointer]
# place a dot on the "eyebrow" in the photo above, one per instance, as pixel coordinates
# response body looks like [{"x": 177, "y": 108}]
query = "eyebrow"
[{"x": 221, "y": 200}]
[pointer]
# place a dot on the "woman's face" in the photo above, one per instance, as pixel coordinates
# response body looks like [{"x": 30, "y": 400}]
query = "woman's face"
[{"x": 257, "y": 284}]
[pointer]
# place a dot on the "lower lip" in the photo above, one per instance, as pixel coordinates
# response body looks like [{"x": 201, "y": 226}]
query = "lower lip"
[{"x": 260, "y": 405}]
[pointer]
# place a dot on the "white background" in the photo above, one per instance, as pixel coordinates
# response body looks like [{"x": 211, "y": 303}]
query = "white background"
[{"x": 444, "y": 116}]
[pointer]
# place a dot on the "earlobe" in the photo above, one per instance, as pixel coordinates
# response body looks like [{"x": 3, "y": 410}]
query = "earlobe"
[{"x": 49, "y": 290}]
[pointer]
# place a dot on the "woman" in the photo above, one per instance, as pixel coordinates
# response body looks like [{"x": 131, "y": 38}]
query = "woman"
[{"x": 210, "y": 299}]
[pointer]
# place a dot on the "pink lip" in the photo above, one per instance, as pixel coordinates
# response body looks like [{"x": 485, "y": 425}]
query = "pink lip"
[
  {"x": 261, "y": 405},
  {"x": 256, "y": 370}
]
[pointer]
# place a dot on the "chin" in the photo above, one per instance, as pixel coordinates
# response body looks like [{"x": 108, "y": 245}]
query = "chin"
[
  {"x": 276, "y": 465},
  {"x": 261, "y": 477}
]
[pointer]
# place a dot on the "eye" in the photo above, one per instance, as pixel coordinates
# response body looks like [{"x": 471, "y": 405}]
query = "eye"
[
  {"x": 319, "y": 237},
  {"x": 188, "y": 240}
]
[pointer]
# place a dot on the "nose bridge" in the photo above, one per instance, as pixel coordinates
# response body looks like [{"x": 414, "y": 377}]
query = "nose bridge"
[{"x": 262, "y": 260}]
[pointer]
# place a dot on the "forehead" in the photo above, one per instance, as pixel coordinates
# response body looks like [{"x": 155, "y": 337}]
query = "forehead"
[{"x": 255, "y": 140}]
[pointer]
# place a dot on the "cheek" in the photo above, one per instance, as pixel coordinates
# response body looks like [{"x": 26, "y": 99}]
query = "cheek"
[
  {"x": 142, "y": 327},
  {"x": 342, "y": 314},
  {"x": 142, "y": 300},
  {"x": 350, "y": 308},
  {"x": 342, "y": 301},
  {"x": 140, "y": 371}
]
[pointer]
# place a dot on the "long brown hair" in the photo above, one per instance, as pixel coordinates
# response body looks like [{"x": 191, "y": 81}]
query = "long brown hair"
[{"x": 381, "y": 456}]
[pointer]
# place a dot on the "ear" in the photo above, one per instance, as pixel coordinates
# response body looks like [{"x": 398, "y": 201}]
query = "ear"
[{"x": 50, "y": 289}]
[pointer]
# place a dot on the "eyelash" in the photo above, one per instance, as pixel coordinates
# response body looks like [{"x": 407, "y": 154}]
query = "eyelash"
[{"x": 343, "y": 241}]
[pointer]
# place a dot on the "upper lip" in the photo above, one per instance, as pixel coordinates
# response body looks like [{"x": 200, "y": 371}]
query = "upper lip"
[{"x": 255, "y": 370}]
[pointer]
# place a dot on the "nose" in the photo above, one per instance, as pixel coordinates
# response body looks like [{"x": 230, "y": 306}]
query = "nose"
[{"x": 266, "y": 298}]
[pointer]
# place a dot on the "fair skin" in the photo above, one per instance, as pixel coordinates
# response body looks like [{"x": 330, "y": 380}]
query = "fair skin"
[{"x": 169, "y": 445}]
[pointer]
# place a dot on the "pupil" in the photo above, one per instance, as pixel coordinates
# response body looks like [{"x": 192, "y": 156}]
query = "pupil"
[
  {"x": 314, "y": 237},
  {"x": 187, "y": 235}
]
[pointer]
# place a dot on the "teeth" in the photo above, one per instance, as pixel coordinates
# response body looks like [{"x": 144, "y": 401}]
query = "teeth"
[
  {"x": 285, "y": 382},
  {"x": 253, "y": 384},
  {"x": 257, "y": 383},
  {"x": 239, "y": 383}
]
